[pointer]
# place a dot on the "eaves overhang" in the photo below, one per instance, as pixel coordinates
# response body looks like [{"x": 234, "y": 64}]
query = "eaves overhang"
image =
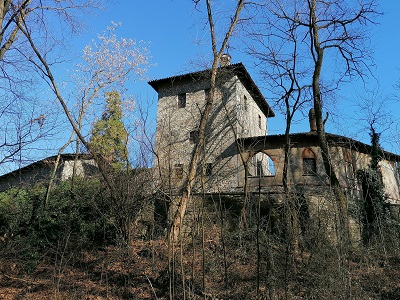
[{"x": 311, "y": 139}]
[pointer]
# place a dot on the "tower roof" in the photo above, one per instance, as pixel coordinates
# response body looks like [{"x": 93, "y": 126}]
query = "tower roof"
[{"x": 234, "y": 69}]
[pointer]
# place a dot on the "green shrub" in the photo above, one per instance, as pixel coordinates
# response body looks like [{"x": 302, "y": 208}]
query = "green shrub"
[
  {"x": 82, "y": 213},
  {"x": 15, "y": 208}
]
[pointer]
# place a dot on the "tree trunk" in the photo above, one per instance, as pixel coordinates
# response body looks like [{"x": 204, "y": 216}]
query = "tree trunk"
[
  {"x": 333, "y": 180},
  {"x": 193, "y": 166},
  {"x": 177, "y": 220}
]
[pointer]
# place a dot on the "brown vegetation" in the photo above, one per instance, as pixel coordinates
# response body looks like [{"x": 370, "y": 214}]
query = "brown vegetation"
[{"x": 139, "y": 272}]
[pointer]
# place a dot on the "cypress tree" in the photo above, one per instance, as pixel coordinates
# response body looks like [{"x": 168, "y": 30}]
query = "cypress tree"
[{"x": 109, "y": 136}]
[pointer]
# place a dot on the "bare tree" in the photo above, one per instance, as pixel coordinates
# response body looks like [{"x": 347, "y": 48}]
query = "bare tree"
[
  {"x": 295, "y": 40},
  {"x": 333, "y": 25},
  {"x": 277, "y": 48},
  {"x": 36, "y": 16},
  {"x": 44, "y": 68},
  {"x": 106, "y": 65},
  {"x": 196, "y": 156},
  {"x": 327, "y": 31},
  {"x": 17, "y": 71}
]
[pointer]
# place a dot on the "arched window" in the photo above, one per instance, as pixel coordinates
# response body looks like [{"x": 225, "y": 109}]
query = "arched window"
[
  {"x": 261, "y": 165},
  {"x": 309, "y": 162}
]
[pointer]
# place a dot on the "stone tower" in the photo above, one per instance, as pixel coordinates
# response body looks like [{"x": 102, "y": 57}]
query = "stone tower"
[{"x": 240, "y": 110}]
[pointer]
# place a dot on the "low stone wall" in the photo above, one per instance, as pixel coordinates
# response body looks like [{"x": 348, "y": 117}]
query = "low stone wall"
[{"x": 315, "y": 208}]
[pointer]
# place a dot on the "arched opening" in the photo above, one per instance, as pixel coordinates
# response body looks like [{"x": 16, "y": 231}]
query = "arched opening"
[
  {"x": 309, "y": 162},
  {"x": 261, "y": 164}
]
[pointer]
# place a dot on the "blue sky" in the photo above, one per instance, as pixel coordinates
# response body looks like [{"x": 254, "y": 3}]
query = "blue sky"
[{"x": 178, "y": 38}]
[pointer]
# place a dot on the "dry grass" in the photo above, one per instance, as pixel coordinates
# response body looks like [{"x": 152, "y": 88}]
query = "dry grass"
[{"x": 141, "y": 273}]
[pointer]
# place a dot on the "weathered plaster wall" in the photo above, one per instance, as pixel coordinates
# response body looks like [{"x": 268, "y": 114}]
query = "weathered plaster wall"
[
  {"x": 391, "y": 181},
  {"x": 345, "y": 161},
  {"x": 251, "y": 120},
  {"x": 87, "y": 167},
  {"x": 41, "y": 173}
]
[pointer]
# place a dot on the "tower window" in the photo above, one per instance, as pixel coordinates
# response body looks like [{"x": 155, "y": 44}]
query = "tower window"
[
  {"x": 208, "y": 169},
  {"x": 179, "y": 171},
  {"x": 245, "y": 102},
  {"x": 259, "y": 121},
  {"x": 207, "y": 94},
  {"x": 194, "y": 136},
  {"x": 182, "y": 100}
]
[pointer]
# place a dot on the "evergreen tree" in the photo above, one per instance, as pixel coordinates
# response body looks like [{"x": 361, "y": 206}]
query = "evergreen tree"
[
  {"x": 373, "y": 204},
  {"x": 376, "y": 153},
  {"x": 109, "y": 136}
]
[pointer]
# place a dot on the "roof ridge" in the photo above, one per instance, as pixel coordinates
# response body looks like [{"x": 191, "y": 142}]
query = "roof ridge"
[{"x": 196, "y": 72}]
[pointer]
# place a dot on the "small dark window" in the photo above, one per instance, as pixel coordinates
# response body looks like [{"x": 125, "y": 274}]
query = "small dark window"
[
  {"x": 259, "y": 121},
  {"x": 182, "y": 100},
  {"x": 207, "y": 94},
  {"x": 309, "y": 166},
  {"x": 179, "y": 171},
  {"x": 245, "y": 102},
  {"x": 194, "y": 136},
  {"x": 309, "y": 162},
  {"x": 209, "y": 169}
]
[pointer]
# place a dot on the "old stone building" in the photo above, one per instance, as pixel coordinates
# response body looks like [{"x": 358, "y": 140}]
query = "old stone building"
[
  {"x": 240, "y": 111},
  {"x": 240, "y": 161},
  {"x": 237, "y": 139},
  {"x": 308, "y": 179},
  {"x": 238, "y": 125}
]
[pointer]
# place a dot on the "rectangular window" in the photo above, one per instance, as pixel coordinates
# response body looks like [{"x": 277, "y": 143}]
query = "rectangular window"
[
  {"x": 182, "y": 100},
  {"x": 349, "y": 167},
  {"x": 194, "y": 136},
  {"x": 309, "y": 166},
  {"x": 245, "y": 102},
  {"x": 208, "y": 169},
  {"x": 207, "y": 94},
  {"x": 179, "y": 171},
  {"x": 350, "y": 170},
  {"x": 259, "y": 121}
]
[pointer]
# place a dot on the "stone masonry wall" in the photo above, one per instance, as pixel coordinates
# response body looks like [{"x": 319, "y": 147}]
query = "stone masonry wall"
[{"x": 230, "y": 117}]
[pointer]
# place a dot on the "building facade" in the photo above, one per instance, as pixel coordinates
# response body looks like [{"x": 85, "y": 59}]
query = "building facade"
[
  {"x": 237, "y": 138},
  {"x": 238, "y": 151},
  {"x": 239, "y": 111},
  {"x": 306, "y": 168}
]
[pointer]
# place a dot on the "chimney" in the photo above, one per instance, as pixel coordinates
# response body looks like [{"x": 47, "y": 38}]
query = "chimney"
[
  {"x": 225, "y": 60},
  {"x": 313, "y": 121}
]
